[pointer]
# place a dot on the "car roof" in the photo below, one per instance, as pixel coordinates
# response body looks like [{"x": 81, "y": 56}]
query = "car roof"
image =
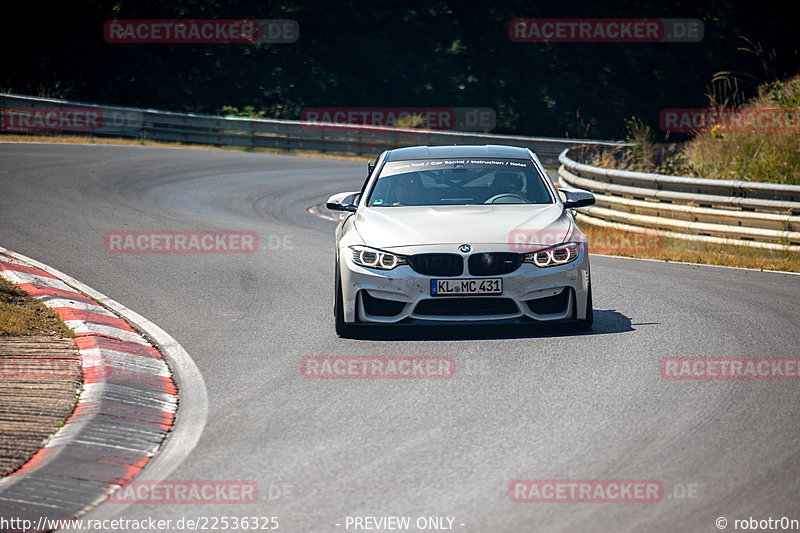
[{"x": 435, "y": 152}]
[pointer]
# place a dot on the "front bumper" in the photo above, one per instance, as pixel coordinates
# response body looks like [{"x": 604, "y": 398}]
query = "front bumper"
[{"x": 530, "y": 295}]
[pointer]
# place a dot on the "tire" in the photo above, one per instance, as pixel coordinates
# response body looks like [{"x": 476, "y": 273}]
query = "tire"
[
  {"x": 585, "y": 324},
  {"x": 343, "y": 329}
]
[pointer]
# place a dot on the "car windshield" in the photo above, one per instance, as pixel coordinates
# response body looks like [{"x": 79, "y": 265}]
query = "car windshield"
[{"x": 469, "y": 181}]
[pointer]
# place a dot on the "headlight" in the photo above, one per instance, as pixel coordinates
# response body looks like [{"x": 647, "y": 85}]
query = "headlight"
[
  {"x": 557, "y": 255},
  {"x": 372, "y": 258}
]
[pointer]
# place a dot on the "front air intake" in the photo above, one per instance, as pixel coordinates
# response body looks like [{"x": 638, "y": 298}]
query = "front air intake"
[
  {"x": 550, "y": 304},
  {"x": 380, "y": 306},
  {"x": 437, "y": 264},
  {"x": 494, "y": 264},
  {"x": 466, "y": 306}
]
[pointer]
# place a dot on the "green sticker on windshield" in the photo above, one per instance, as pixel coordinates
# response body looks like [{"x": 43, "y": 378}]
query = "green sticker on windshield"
[{"x": 379, "y": 201}]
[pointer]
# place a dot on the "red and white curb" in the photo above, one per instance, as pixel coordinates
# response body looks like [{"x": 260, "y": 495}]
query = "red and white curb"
[
  {"x": 319, "y": 210},
  {"x": 125, "y": 410}
]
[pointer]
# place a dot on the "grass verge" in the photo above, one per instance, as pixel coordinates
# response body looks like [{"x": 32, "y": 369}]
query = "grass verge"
[
  {"x": 629, "y": 244},
  {"x": 760, "y": 142},
  {"x": 22, "y": 315}
]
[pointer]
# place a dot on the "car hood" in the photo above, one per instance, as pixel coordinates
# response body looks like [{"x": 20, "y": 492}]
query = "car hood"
[{"x": 478, "y": 225}]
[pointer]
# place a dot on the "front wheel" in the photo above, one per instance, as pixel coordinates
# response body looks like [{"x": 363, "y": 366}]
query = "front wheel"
[
  {"x": 585, "y": 324},
  {"x": 343, "y": 329}
]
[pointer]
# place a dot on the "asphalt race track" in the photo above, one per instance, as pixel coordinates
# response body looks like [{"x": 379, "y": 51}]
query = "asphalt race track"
[{"x": 523, "y": 404}]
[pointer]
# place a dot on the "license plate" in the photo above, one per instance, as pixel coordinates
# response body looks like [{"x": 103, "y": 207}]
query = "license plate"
[{"x": 466, "y": 287}]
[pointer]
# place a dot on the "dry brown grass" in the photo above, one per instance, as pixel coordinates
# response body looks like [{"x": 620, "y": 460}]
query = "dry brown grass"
[
  {"x": 679, "y": 250},
  {"x": 721, "y": 153},
  {"x": 22, "y": 315},
  {"x": 772, "y": 157}
]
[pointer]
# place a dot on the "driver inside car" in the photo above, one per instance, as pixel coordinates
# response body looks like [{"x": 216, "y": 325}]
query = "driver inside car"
[
  {"x": 507, "y": 182},
  {"x": 408, "y": 190}
]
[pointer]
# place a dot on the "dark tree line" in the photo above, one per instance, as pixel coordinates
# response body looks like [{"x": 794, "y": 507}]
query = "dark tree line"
[{"x": 383, "y": 53}]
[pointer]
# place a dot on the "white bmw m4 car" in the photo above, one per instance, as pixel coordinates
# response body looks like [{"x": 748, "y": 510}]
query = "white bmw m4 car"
[{"x": 460, "y": 234}]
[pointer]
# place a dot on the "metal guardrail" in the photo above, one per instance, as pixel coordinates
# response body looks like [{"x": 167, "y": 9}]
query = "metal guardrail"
[
  {"x": 32, "y": 114},
  {"x": 761, "y": 215},
  {"x": 732, "y": 212}
]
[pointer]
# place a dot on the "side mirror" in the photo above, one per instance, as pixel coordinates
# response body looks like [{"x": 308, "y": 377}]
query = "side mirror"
[
  {"x": 575, "y": 198},
  {"x": 344, "y": 201}
]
